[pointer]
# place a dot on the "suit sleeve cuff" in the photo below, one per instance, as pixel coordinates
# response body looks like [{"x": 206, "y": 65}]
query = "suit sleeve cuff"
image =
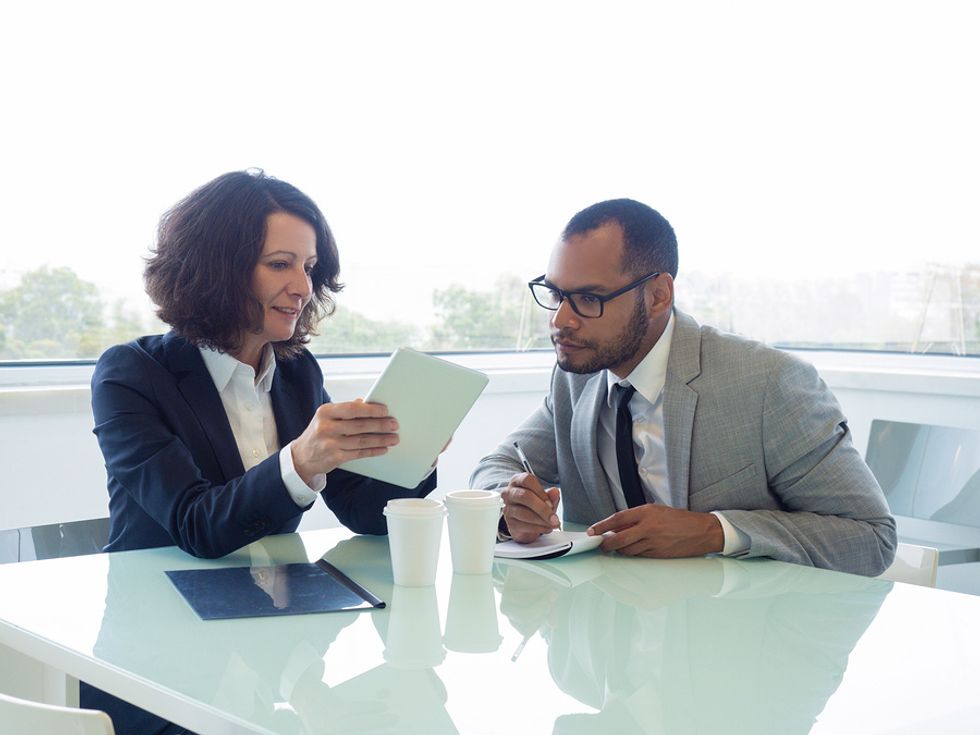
[
  {"x": 503, "y": 533},
  {"x": 737, "y": 542},
  {"x": 301, "y": 493}
]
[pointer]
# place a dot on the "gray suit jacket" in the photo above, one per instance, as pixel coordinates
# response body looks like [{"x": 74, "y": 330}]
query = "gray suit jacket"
[{"x": 750, "y": 430}]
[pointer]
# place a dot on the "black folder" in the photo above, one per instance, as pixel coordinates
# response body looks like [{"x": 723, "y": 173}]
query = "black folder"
[{"x": 287, "y": 589}]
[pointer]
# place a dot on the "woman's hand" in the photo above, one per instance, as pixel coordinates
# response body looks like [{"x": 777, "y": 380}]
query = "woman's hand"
[{"x": 340, "y": 432}]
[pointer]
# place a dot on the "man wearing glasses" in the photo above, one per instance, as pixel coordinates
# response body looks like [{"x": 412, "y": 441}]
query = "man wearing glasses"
[{"x": 672, "y": 438}]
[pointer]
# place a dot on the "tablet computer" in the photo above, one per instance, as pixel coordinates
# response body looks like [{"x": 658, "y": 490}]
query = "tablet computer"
[{"x": 429, "y": 397}]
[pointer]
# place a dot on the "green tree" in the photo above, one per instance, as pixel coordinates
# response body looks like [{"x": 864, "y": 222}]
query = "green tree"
[
  {"x": 51, "y": 313},
  {"x": 971, "y": 307},
  {"x": 54, "y": 314},
  {"x": 347, "y": 331},
  {"x": 125, "y": 323},
  {"x": 504, "y": 318}
]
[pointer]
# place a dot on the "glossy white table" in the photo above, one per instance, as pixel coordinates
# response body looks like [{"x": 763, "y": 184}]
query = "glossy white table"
[{"x": 593, "y": 644}]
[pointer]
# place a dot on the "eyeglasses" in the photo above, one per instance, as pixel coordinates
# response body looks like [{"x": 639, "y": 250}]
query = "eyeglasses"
[{"x": 586, "y": 305}]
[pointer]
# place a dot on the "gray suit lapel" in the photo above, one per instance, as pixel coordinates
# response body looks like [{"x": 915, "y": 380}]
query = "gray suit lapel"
[
  {"x": 680, "y": 401},
  {"x": 585, "y": 422}
]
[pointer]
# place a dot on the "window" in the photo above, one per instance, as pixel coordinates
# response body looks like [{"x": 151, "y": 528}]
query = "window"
[{"x": 817, "y": 161}]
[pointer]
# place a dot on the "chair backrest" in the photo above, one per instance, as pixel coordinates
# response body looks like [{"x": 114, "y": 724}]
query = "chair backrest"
[
  {"x": 931, "y": 478},
  {"x": 74, "y": 538},
  {"x": 928, "y": 472},
  {"x": 23, "y": 717},
  {"x": 913, "y": 564}
]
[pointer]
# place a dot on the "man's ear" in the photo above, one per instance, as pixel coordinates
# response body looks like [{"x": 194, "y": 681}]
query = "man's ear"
[{"x": 662, "y": 289}]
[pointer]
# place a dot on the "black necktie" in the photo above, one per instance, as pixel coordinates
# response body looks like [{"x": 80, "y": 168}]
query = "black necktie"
[{"x": 629, "y": 476}]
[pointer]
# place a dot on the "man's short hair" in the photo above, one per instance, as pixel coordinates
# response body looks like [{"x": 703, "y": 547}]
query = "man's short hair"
[
  {"x": 650, "y": 242},
  {"x": 208, "y": 245}
]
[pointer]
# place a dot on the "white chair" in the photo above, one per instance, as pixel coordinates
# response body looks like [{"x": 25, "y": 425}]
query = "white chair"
[
  {"x": 913, "y": 564},
  {"x": 23, "y": 717}
]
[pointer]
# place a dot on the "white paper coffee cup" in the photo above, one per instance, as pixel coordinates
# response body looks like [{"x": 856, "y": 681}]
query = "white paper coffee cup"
[
  {"x": 414, "y": 533},
  {"x": 473, "y": 518}
]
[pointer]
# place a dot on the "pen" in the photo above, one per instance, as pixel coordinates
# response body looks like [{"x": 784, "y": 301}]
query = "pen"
[
  {"x": 523, "y": 458},
  {"x": 527, "y": 466},
  {"x": 520, "y": 646}
]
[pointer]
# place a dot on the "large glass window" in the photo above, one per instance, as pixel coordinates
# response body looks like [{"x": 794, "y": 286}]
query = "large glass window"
[{"x": 818, "y": 161}]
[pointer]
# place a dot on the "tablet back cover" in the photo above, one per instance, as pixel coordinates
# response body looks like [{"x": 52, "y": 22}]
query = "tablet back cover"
[{"x": 430, "y": 397}]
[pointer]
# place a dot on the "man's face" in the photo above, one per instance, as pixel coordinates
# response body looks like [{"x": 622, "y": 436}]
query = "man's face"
[{"x": 618, "y": 339}]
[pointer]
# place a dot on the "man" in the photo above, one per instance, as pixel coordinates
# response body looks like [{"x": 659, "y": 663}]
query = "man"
[{"x": 674, "y": 439}]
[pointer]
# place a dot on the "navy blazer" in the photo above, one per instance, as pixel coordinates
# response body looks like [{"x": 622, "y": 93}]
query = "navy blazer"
[{"x": 174, "y": 472}]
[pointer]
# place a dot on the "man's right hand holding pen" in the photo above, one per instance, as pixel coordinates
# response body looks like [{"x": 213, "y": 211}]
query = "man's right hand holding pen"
[{"x": 529, "y": 509}]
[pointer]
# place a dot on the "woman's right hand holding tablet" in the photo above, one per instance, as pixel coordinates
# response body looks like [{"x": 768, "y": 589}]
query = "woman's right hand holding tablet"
[{"x": 340, "y": 432}]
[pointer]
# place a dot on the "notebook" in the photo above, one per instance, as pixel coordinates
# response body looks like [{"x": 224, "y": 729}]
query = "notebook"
[
  {"x": 288, "y": 589},
  {"x": 549, "y": 546},
  {"x": 430, "y": 397}
]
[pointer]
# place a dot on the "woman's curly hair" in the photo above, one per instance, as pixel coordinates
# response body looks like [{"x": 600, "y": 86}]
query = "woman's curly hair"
[{"x": 208, "y": 245}]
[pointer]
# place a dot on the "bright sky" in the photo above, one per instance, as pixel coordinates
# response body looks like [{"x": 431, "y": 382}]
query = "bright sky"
[{"x": 450, "y": 141}]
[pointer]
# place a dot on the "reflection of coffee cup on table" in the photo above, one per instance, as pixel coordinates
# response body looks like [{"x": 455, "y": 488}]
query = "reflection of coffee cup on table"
[
  {"x": 414, "y": 638},
  {"x": 414, "y": 533},
  {"x": 471, "y": 623},
  {"x": 473, "y": 519}
]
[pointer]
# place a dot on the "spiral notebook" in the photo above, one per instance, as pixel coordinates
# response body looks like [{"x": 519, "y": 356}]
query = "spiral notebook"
[
  {"x": 287, "y": 589},
  {"x": 549, "y": 546}
]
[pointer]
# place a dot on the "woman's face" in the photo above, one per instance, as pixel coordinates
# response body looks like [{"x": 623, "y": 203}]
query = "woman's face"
[{"x": 281, "y": 279}]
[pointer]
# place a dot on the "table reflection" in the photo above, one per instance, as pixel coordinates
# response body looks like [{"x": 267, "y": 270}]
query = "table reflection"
[
  {"x": 406, "y": 684},
  {"x": 684, "y": 646},
  {"x": 271, "y": 671},
  {"x": 471, "y": 621},
  {"x": 677, "y": 646}
]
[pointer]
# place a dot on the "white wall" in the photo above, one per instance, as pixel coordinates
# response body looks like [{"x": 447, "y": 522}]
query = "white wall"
[{"x": 53, "y": 469}]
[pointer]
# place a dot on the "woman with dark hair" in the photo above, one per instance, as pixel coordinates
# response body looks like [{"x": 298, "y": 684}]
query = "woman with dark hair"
[{"x": 220, "y": 432}]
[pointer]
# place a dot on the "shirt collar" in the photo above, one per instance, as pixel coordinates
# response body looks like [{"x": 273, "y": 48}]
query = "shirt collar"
[
  {"x": 222, "y": 367},
  {"x": 650, "y": 375}
]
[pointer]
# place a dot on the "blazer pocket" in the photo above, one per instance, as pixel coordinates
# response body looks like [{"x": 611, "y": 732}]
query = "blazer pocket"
[{"x": 725, "y": 492}]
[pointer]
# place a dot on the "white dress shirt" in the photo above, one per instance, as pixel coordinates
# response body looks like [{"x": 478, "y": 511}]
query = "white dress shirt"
[
  {"x": 248, "y": 405},
  {"x": 649, "y": 445}
]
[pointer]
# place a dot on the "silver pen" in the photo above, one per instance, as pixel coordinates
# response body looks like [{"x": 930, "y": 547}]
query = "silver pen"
[
  {"x": 523, "y": 457},
  {"x": 529, "y": 470},
  {"x": 520, "y": 646}
]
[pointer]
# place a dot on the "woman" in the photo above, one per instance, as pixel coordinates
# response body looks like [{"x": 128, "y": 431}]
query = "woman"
[{"x": 220, "y": 432}]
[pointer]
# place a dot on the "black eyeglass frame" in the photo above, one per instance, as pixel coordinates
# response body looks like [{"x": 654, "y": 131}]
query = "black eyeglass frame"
[{"x": 563, "y": 295}]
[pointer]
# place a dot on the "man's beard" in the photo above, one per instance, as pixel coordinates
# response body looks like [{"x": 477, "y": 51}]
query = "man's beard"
[{"x": 622, "y": 348}]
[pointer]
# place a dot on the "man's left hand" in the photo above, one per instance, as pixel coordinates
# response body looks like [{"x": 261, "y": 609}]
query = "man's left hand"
[{"x": 656, "y": 530}]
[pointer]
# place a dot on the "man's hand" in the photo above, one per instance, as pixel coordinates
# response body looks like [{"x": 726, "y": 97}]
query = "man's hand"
[
  {"x": 529, "y": 509},
  {"x": 656, "y": 530},
  {"x": 340, "y": 432}
]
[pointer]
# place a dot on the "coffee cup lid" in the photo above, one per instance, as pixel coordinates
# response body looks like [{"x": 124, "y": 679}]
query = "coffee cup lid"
[
  {"x": 416, "y": 507},
  {"x": 474, "y": 499}
]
